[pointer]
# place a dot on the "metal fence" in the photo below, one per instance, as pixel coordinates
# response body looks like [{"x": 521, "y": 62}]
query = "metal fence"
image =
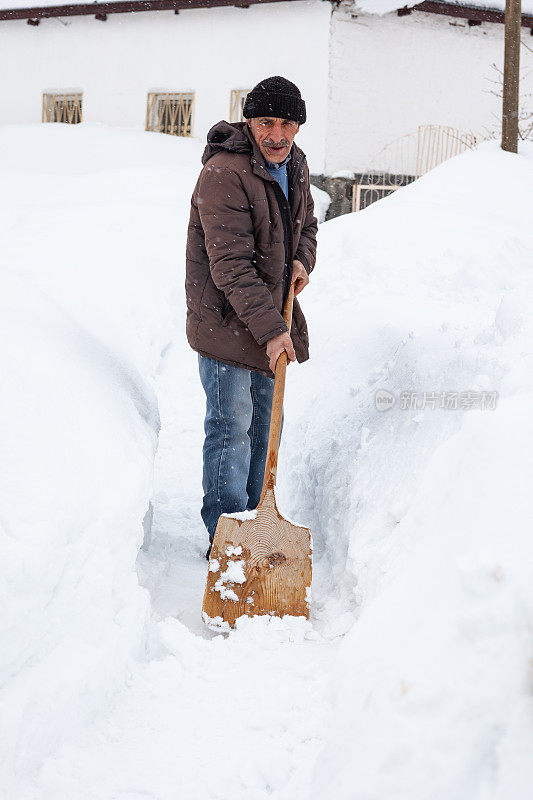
[{"x": 406, "y": 159}]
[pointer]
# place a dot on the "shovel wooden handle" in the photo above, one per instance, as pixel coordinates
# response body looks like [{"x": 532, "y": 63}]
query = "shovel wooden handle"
[{"x": 271, "y": 465}]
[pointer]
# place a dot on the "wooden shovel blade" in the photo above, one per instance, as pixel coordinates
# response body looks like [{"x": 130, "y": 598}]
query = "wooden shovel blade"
[{"x": 261, "y": 565}]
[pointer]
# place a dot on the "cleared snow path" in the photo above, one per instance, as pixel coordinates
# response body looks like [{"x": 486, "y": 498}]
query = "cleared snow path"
[
  {"x": 205, "y": 716},
  {"x": 107, "y": 689}
]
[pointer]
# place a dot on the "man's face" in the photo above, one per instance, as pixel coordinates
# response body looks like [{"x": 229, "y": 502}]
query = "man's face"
[{"x": 274, "y": 136}]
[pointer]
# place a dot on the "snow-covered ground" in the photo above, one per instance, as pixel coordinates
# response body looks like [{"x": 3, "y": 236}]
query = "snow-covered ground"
[
  {"x": 85, "y": 310},
  {"x": 412, "y": 679}
]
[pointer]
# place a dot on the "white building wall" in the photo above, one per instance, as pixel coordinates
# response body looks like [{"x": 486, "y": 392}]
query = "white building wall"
[
  {"x": 390, "y": 74},
  {"x": 209, "y": 51}
]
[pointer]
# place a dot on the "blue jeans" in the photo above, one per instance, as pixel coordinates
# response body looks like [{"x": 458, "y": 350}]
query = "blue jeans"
[{"x": 237, "y": 421}]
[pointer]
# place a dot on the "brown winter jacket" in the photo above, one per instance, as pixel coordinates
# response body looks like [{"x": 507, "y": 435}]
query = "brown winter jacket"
[{"x": 243, "y": 236}]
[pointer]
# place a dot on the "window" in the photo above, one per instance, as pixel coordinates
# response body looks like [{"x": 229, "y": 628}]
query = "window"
[
  {"x": 236, "y": 104},
  {"x": 62, "y": 107},
  {"x": 170, "y": 112}
]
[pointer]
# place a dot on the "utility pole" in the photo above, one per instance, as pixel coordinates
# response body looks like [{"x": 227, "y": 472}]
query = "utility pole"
[{"x": 513, "y": 20}]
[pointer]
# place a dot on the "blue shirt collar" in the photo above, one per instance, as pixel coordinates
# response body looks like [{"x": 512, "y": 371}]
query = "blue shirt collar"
[{"x": 270, "y": 165}]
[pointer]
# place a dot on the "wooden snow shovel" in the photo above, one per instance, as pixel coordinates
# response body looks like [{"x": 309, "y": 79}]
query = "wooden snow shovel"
[{"x": 260, "y": 562}]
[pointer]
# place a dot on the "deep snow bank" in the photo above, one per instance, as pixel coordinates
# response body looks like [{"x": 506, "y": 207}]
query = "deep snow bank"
[
  {"x": 87, "y": 292},
  {"x": 421, "y": 511}
]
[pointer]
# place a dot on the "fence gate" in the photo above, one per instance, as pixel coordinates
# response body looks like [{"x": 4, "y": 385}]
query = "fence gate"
[{"x": 406, "y": 159}]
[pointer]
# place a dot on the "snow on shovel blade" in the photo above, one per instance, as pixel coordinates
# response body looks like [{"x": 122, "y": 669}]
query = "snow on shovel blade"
[{"x": 260, "y": 564}]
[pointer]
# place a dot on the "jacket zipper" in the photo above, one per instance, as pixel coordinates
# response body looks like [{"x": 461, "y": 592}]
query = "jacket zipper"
[
  {"x": 287, "y": 269},
  {"x": 300, "y": 165},
  {"x": 286, "y": 219}
]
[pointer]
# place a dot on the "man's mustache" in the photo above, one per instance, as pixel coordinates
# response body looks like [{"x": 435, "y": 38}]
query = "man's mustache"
[{"x": 276, "y": 145}]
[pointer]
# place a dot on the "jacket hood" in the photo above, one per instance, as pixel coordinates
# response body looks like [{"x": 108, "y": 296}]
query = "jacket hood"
[{"x": 230, "y": 136}]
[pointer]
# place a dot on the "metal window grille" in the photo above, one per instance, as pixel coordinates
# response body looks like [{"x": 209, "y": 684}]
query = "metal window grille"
[
  {"x": 62, "y": 107},
  {"x": 170, "y": 112},
  {"x": 406, "y": 159},
  {"x": 375, "y": 187},
  {"x": 236, "y": 104}
]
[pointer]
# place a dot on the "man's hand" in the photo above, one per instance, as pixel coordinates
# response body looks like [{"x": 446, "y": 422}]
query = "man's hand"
[
  {"x": 300, "y": 278},
  {"x": 276, "y": 346}
]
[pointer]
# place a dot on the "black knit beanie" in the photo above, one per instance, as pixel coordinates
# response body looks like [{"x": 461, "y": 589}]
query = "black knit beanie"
[{"x": 275, "y": 97}]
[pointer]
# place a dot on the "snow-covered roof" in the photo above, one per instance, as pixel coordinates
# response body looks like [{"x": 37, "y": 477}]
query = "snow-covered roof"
[
  {"x": 491, "y": 10},
  {"x": 385, "y": 6},
  {"x": 495, "y": 5},
  {"x": 84, "y": 7}
]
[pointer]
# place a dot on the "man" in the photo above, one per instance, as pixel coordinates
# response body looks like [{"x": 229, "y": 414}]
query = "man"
[{"x": 251, "y": 233}]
